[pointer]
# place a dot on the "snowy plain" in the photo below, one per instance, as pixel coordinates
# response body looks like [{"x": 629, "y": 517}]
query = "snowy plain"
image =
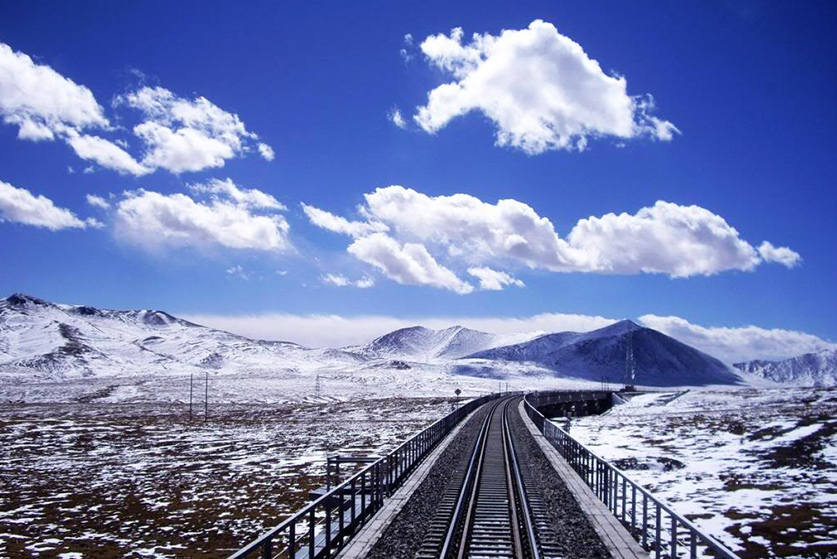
[
  {"x": 755, "y": 468},
  {"x": 142, "y": 481}
]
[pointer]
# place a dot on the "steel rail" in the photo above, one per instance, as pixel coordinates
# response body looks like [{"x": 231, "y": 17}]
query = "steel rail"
[
  {"x": 526, "y": 511},
  {"x": 470, "y": 480},
  {"x": 498, "y": 506},
  {"x": 512, "y": 489}
]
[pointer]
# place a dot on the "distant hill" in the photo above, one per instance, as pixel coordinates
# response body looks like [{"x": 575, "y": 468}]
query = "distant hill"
[
  {"x": 423, "y": 345},
  {"x": 810, "y": 369},
  {"x": 49, "y": 341},
  {"x": 601, "y": 354},
  {"x": 42, "y": 341}
]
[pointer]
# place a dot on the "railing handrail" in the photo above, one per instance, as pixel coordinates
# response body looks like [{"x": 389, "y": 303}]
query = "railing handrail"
[
  {"x": 708, "y": 540},
  {"x": 300, "y": 514}
]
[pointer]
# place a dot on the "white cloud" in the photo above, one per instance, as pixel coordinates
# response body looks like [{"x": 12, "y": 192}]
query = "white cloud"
[
  {"x": 239, "y": 272},
  {"x": 781, "y": 255},
  {"x": 336, "y": 279},
  {"x": 98, "y": 202},
  {"x": 540, "y": 88},
  {"x": 340, "y": 280},
  {"x": 45, "y": 105},
  {"x": 178, "y": 134},
  {"x": 365, "y": 283},
  {"x": 666, "y": 238},
  {"x": 394, "y": 116},
  {"x": 18, "y": 205},
  {"x": 494, "y": 280},
  {"x": 331, "y": 330},
  {"x": 266, "y": 151},
  {"x": 155, "y": 221},
  {"x": 106, "y": 153},
  {"x": 182, "y": 135},
  {"x": 409, "y": 263},
  {"x": 406, "y": 51},
  {"x": 733, "y": 345},
  {"x": 41, "y": 102},
  {"x": 337, "y": 224},
  {"x": 221, "y": 189}
]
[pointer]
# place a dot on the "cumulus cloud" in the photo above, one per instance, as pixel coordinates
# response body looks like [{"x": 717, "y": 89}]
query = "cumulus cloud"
[
  {"x": 395, "y": 117},
  {"x": 183, "y": 135},
  {"x": 233, "y": 218},
  {"x": 18, "y": 205},
  {"x": 178, "y": 134},
  {"x": 738, "y": 344},
  {"x": 41, "y": 102},
  {"x": 337, "y": 224},
  {"x": 494, "y": 280},
  {"x": 666, "y": 238},
  {"x": 329, "y": 330},
  {"x": 340, "y": 280},
  {"x": 47, "y": 106},
  {"x": 106, "y": 153},
  {"x": 227, "y": 189},
  {"x": 407, "y": 263},
  {"x": 540, "y": 88},
  {"x": 781, "y": 255},
  {"x": 98, "y": 202},
  {"x": 266, "y": 151}
]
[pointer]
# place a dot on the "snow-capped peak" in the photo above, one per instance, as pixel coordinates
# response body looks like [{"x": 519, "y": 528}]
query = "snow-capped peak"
[
  {"x": 423, "y": 345},
  {"x": 810, "y": 369}
]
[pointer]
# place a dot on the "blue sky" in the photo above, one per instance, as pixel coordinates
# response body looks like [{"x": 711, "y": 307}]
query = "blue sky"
[{"x": 748, "y": 85}]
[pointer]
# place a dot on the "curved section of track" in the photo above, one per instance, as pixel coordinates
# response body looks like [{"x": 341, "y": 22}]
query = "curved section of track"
[{"x": 486, "y": 512}]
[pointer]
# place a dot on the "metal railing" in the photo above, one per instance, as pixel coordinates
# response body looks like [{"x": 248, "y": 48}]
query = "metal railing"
[
  {"x": 323, "y": 526},
  {"x": 652, "y": 523}
]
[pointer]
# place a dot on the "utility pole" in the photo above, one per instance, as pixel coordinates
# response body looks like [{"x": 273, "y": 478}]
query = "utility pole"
[
  {"x": 317, "y": 387},
  {"x": 191, "y": 389},
  {"x": 206, "y": 400}
]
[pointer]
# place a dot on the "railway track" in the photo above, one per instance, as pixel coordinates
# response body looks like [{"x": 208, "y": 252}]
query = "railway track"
[{"x": 485, "y": 511}]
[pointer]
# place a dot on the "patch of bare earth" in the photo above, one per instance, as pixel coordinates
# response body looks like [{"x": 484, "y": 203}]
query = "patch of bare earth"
[{"x": 112, "y": 481}]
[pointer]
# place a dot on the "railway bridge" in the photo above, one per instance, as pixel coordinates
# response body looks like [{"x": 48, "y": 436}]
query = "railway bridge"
[{"x": 497, "y": 478}]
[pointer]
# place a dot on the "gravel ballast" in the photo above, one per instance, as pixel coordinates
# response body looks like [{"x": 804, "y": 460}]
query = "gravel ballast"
[
  {"x": 404, "y": 535},
  {"x": 577, "y": 537}
]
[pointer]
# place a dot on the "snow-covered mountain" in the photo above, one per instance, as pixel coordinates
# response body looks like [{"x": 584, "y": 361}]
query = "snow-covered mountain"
[
  {"x": 810, "y": 369},
  {"x": 601, "y": 355},
  {"x": 44, "y": 340},
  {"x": 423, "y": 345},
  {"x": 57, "y": 352}
]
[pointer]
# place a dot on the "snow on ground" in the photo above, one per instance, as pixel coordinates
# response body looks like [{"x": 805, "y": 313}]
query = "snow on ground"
[
  {"x": 376, "y": 380},
  {"x": 140, "y": 480},
  {"x": 756, "y": 468}
]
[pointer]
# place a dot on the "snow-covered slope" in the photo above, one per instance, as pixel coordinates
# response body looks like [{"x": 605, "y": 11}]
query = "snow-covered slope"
[
  {"x": 43, "y": 340},
  {"x": 601, "y": 355},
  {"x": 52, "y": 352},
  {"x": 423, "y": 345},
  {"x": 810, "y": 369}
]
